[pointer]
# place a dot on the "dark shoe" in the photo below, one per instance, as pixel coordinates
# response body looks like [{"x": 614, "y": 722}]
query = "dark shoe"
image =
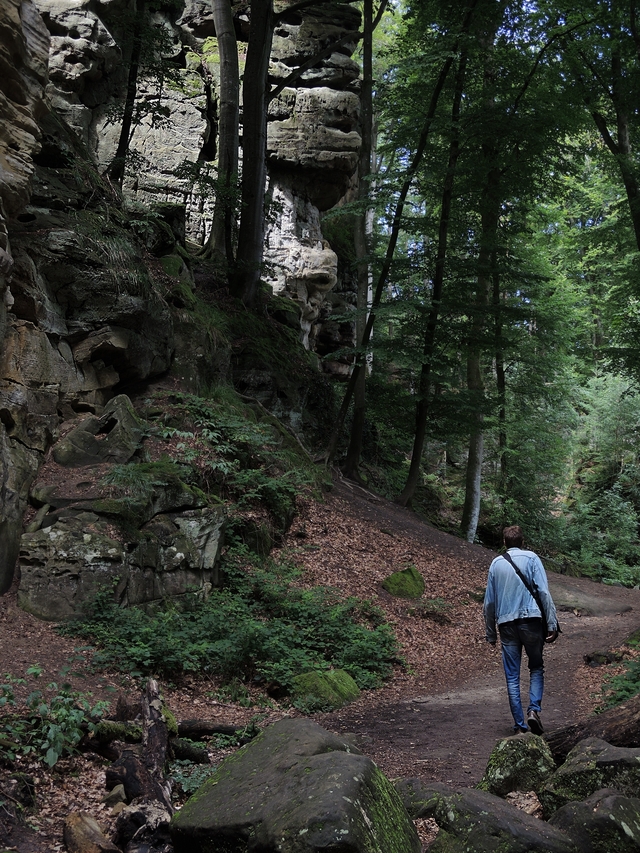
[{"x": 534, "y": 722}]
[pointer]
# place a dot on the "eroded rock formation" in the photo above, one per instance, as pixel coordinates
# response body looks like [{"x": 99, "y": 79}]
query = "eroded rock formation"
[{"x": 93, "y": 300}]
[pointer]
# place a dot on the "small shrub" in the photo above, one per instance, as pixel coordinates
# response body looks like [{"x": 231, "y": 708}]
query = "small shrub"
[{"x": 48, "y": 723}]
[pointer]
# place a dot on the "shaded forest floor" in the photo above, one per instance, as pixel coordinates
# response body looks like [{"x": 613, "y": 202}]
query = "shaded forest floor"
[{"x": 437, "y": 718}]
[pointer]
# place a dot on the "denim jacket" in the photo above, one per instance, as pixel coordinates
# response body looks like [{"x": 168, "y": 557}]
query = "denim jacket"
[{"x": 507, "y": 598}]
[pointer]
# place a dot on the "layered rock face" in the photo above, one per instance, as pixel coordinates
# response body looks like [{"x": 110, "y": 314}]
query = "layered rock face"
[
  {"x": 313, "y": 138},
  {"x": 24, "y": 47},
  {"x": 89, "y": 306}
]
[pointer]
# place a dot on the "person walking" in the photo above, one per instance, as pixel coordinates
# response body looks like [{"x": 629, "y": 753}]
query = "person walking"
[{"x": 518, "y": 601}]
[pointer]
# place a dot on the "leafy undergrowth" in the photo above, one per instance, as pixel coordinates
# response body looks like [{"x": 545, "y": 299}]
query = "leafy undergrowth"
[
  {"x": 624, "y": 682},
  {"x": 259, "y": 627},
  {"x": 48, "y": 723}
]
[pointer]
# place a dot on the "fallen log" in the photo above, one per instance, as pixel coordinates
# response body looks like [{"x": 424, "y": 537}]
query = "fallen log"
[
  {"x": 144, "y": 825},
  {"x": 194, "y": 729},
  {"x": 619, "y": 726}
]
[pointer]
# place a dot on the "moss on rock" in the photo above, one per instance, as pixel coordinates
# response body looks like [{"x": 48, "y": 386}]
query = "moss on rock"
[
  {"x": 407, "y": 583},
  {"x": 519, "y": 763},
  {"x": 325, "y": 690},
  {"x": 592, "y": 765}
]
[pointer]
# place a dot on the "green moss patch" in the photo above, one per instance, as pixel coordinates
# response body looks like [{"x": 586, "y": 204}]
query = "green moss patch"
[
  {"x": 326, "y": 691},
  {"x": 407, "y": 583}
]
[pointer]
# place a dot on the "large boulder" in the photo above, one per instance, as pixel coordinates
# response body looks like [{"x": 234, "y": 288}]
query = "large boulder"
[
  {"x": 472, "y": 820},
  {"x": 296, "y": 787},
  {"x": 518, "y": 763},
  {"x": 606, "y": 822},
  {"x": 590, "y": 766}
]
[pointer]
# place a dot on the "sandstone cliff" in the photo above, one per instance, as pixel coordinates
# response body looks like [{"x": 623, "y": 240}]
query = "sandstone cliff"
[{"x": 91, "y": 286}]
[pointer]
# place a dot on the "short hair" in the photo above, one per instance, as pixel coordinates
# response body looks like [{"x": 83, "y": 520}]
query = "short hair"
[{"x": 513, "y": 536}]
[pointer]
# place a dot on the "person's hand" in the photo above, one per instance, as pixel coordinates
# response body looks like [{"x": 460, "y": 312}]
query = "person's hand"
[{"x": 551, "y": 636}]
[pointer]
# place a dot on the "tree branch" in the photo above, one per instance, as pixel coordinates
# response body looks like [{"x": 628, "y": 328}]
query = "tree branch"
[
  {"x": 601, "y": 124},
  {"x": 538, "y": 60}
]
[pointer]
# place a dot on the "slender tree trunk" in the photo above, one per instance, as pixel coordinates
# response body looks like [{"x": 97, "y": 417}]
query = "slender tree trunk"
[
  {"x": 422, "y": 407},
  {"x": 116, "y": 169},
  {"x": 501, "y": 385},
  {"x": 254, "y": 152},
  {"x": 489, "y": 218},
  {"x": 362, "y": 241},
  {"x": 220, "y": 242},
  {"x": 395, "y": 233}
]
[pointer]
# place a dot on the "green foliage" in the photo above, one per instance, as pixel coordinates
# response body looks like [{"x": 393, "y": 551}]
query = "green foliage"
[
  {"x": 235, "y": 452},
  {"x": 138, "y": 480},
  {"x": 188, "y": 777},
  {"x": 623, "y": 686},
  {"x": 260, "y": 626},
  {"x": 47, "y": 724}
]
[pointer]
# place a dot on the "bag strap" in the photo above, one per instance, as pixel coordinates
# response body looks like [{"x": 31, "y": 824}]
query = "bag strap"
[{"x": 533, "y": 592}]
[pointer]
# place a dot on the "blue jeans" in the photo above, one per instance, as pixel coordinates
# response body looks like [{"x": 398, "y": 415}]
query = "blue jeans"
[{"x": 514, "y": 636}]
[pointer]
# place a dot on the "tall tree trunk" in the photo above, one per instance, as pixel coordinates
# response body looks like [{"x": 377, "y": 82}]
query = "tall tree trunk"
[
  {"x": 220, "y": 242},
  {"x": 424, "y": 386},
  {"x": 361, "y": 239},
  {"x": 501, "y": 385},
  {"x": 254, "y": 152},
  {"x": 472, "y": 494},
  {"x": 116, "y": 169},
  {"x": 489, "y": 218}
]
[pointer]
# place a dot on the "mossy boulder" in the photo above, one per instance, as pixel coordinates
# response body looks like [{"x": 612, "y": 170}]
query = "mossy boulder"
[
  {"x": 519, "y": 763},
  {"x": 295, "y": 788},
  {"x": 325, "y": 690},
  {"x": 407, "y": 583},
  {"x": 607, "y": 822},
  {"x": 472, "y": 820},
  {"x": 592, "y": 765}
]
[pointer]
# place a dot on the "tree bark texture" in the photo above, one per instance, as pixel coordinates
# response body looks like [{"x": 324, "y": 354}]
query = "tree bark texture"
[
  {"x": 254, "y": 151},
  {"x": 361, "y": 241},
  {"x": 619, "y": 726},
  {"x": 220, "y": 242},
  {"x": 489, "y": 219}
]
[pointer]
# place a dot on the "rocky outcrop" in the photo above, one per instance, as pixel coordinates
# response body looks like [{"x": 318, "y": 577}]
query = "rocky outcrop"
[
  {"x": 24, "y": 47},
  {"x": 24, "y": 54},
  {"x": 313, "y": 127},
  {"x": 137, "y": 528},
  {"x": 590, "y": 766},
  {"x": 479, "y": 821},
  {"x": 96, "y": 296},
  {"x": 296, "y": 787}
]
